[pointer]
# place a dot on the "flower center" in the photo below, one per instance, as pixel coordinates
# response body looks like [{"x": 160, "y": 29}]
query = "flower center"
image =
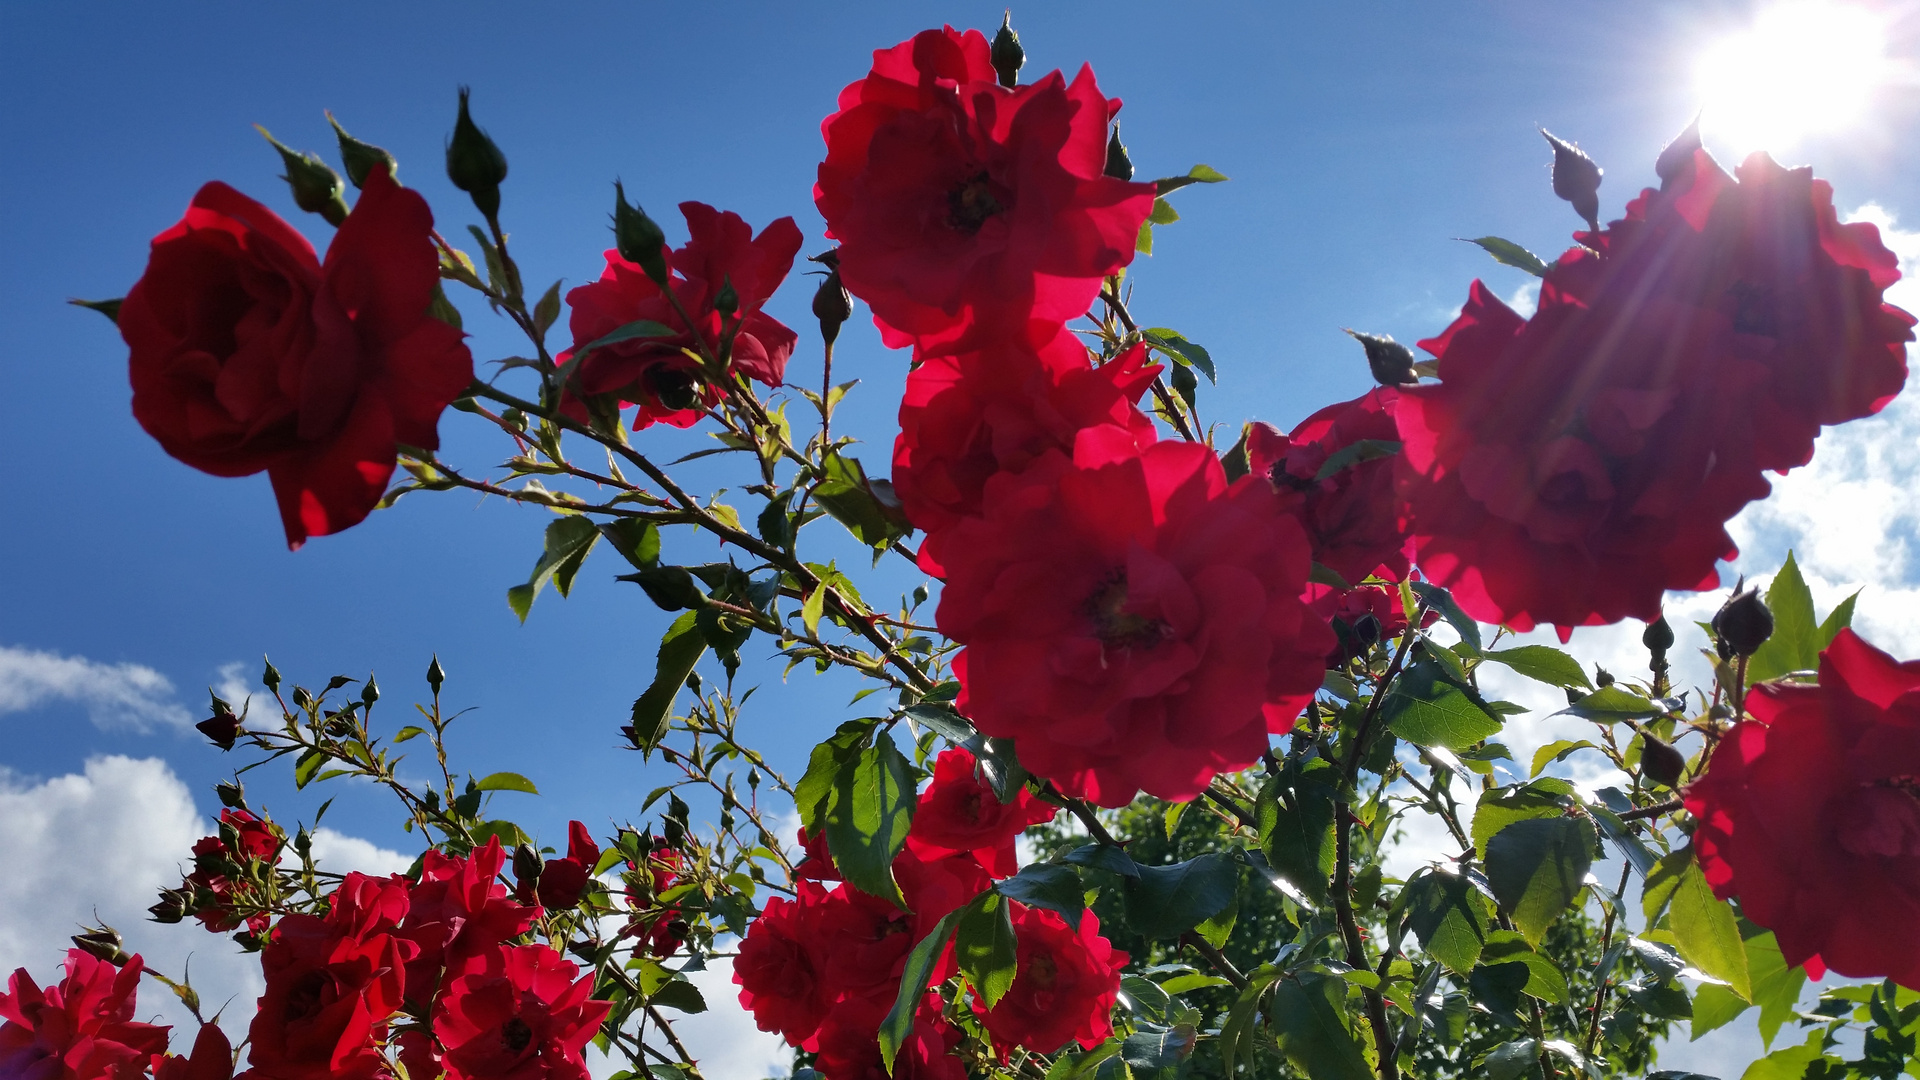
[
  {"x": 515, "y": 1034},
  {"x": 1753, "y": 310},
  {"x": 673, "y": 387},
  {"x": 1882, "y": 817},
  {"x": 1117, "y": 627},
  {"x": 971, "y": 203},
  {"x": 1041, "y": 970}
]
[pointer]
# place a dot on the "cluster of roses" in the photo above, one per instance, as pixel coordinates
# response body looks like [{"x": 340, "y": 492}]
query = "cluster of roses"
[
  {"x": 440, "y": 955},
  {"x": 823, "y": 969}
]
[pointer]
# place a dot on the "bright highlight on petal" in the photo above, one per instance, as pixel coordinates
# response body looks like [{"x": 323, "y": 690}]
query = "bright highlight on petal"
[{"x": 1798, "y": 70}]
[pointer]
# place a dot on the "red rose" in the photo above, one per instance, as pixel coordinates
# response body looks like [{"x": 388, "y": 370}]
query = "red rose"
[
  {"x": 1064, "y": 987},
  {"x": 1572, "y": 467},
  {"x": 332, "y": 984},
  {"x": 1810, "y": 814},
  {"x": 1801, "y": 292},
  {"x": 850, "y": 1046},
  {"x": 224, "y": 866},
  {"x": 1349, "y": 516},
  {"x": 1130, "y": 621},
  {"x": 781, "y": 966},
  {"x": 816, "y": 862},
  {"x": 1360, "y": 616},
  {"x": 212, "y": 1058},
  {"x": 249, "y": 354},
  {"x": 82, "y": 1029},
  {"x": 564, "y": 881},
  {"x": 959, "y": 813},
  {"x": 964, "y": 208},
  {"x": 865, "y": 941},
  {"x": 458, "y": 910},
  {"x": 656, "y": 373},
  {"x": 520, "y": 1016},
  {"x": 966, "y": 417}
]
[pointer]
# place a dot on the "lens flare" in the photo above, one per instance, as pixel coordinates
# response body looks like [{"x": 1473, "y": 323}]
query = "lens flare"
[{"x": 1798, "y": 70}]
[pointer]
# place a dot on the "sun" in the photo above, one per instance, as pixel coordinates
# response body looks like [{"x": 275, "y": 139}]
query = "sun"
[{"x": 1800, "y": 69}]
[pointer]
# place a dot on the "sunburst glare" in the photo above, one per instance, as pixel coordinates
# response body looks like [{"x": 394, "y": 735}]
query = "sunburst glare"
[{"x": 1797, "y": 70}]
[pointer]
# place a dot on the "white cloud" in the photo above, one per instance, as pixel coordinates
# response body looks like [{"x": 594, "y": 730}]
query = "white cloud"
[
  {"x": 1525, "y": 298},
  {"x": 723, "y": 1040},
  {"x": 339, "y": 853},
  {"x": 115, "y": 695},
  {"x": 106, "y": 841}
]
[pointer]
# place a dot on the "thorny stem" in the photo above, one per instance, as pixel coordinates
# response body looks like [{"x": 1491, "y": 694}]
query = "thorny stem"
[
  {"x": 1654, "y": 811},
  {"x": 1160, "y": 392},
  {"x": 1215, "y": 957},
  {"x": 1079, "y": 808},
  {"x": 1606, "y": 942},
  {"x": 673, "y": 1040}
]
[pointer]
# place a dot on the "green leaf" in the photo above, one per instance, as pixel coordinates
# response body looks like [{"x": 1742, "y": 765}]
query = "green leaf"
[
  {"x": 1442, "y": 601},
  {"x": 1237, "y": 1028},
  {"x": 1167, "y": 901},
  {"x": 1511, "y": 254},
  {"x": 1513, "y": 1059},
  {"x": 1042, "y": 885},
  {"x": 1163, "y": 213},
  {"x": 814, "y": 606},
  {"x": 680, "y": 995},
  {"x": 306, "y": 766},
  {"x": 637, "y": 541},
  {"x": 913, "y": 986},
  {"x": 868, "y": 508},
  {"x": 1544, "y": 980},
  {"x": 507, "y": 781},
  {"x": 1707, "y": 933},
  {"x": 1837, "y": 620},
  {"x": 814, "y": 793},
  {"x": 1776, "y": 987},
  {"x": 1184, "y": 352},
  {"x": 1354, "y": 453},
  {"x": 1448, "y": 915},
  {"x": 775, "y": 527},
  {"x": 408, "y": 732},
  {"x": 1427, "y": 709},
  {"x": 1790, "y": 1063},
  {"x": 1537, "y": 867},
  {"x": 1309, "y": 1019},
  {"x": 1543, "y": 663},
  {"x": 1662, "y": 881},
  {"x": 983, "y": 943},
  {"x": 1199, "y": 174},
  {"x": 1795, "y": 643},
  {"x": 568, "y": 541},
  {"x": 1714, "y": 1006},
  {"x": 1295, "y": 813},
  {"x": 1215, "y": 929},
  {"x": 869, "y": 815},
  {"x": 1547, "y": 797},
  {"x": 680, "y": 649},
  {"x": 1105, "y": 857},
  {"x": 1610, "y": 703},
  {"x": 547, "y": 310},
  {"x": 1558, "y": 750},
  {"x": 1143, "y": 240}
]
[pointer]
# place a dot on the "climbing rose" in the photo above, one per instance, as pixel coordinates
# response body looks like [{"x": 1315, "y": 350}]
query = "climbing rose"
[
  {"x": 781, "y": 968},
  {"x": 1809, "y": 812},
  {"x": 564, "y": 881},
  {"x": 520, "y": 1015},
  {"x": 332, "y": 983},
  {"x": 458, "y": 910},
  {"x": 1359, "y": 617},
  {"x": 850, "y": 1047},
  {"x": 247, "y": 353},
  {"x": 1131, "y": 622},
  {"x": 1064, "y": 986},
  {"x": 958, "y": 812},
  {"x": 1349, "y": 515},
  {"x": 212, "y": 1058},
  {"x": 963, "y": 209},
  {"x": 82, "y": 1029},
  {"x": 968, "y": 416},
  {"x": 213, "y": 883},
  {"x": 655, "y": 372},
  {"x": 660, "y": 924}
]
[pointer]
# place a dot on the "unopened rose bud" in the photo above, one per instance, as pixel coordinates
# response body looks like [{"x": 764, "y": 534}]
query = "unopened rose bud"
[
  {"x": 232, "y": 794},
  {"x": 526, "y": 864},
  {"x": 317, "y": 189},
  {"x": 727, "y": 300},
  {"x": 637, "y": 238},
  {"x": 1390, "y": 361},
  {"x": 436, "y": 676},
  {"x": 1744, "y": 622},
  {"x": 1576, "y": 178},
  {"x": 1007, "y": 55},
  {"x": 1119, "y": 165},
  {"x": 360, "y": 157},
  {"x": 474, "y": 164},
  {"x": 1676, "y": 160},
  {"x": 1366, "y": 630},
  {"x": 1602, "y": 678},
  {"x": 1658, "y": 636},
  {"x": 172, "y": 907},
  {"x": 222, "y": 728},
  {"x": 832, "y": 304},
  {"x": 102, "y": 943},
  {"x": 1660, "y": 762}
]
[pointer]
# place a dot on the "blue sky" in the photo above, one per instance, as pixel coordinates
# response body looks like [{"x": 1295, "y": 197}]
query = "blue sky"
[{"x": 1362, "y": 139}]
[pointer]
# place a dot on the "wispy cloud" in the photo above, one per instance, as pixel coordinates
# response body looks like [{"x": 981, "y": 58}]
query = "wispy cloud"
[{"x": 115, "y": 695}]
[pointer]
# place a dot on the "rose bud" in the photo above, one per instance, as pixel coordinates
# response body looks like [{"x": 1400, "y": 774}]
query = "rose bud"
[
  {"x": 232, "y": 794},
  {"x": 526, "y": 864},
  {"x": 638, "y": 239},
  {"x": 102, "y": 943},
  {"x": 172, "y": 907},
  {"x": 474, "y": 164},
  {"x": 1660, "y": 762},
  {"x": 727, "y": 300},
  {"x": 222, "y": 728},
  {"x": 1576, "y": 178},
  {"x": 317, "y": 189},
  {"x": 832, "y": 304},
  {"x": 1658, "y": 636},
  {"x": 1744, "y": 622},
  {"x": 1390, "y": 361},
  {"x": 360, "y": 157},
  {"x": 1007, "y": 55},
  {"x": 1119, "y": 165}
]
